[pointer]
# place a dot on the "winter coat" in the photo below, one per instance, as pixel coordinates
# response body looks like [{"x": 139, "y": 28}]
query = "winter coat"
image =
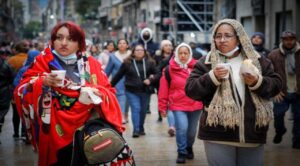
[
  {"x": 17, "y": 61},
  {"x": 173, "y": 97},
  {"x": 133, "y": 83},
  {"x": 278, "y": 60},
  {"x": 201, "y": 87}
]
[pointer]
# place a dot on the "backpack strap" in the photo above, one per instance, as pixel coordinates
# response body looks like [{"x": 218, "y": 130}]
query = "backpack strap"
[{"x": 167, "y": 74}]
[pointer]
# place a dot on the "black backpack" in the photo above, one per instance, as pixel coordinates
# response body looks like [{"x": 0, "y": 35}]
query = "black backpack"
[
  {"x": 167, "y": 75},
  {"x": 97, "y": 142}
]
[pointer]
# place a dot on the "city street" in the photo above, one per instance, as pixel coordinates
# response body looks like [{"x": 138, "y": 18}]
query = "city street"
[{"x": 156, "y": 148}]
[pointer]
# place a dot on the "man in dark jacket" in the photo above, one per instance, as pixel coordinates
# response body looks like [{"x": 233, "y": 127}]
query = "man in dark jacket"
[{"x": 286, "y": 61}]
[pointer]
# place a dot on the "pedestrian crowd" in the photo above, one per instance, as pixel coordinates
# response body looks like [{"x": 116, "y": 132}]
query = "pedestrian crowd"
[{"x": 226, "y": 96}]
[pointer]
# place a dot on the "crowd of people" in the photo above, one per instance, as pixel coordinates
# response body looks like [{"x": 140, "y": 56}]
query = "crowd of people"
[{"x": 230, "y": 93}]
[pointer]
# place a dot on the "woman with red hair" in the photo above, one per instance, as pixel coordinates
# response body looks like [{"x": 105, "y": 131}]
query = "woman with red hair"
[{"x": 53, "y": 108}]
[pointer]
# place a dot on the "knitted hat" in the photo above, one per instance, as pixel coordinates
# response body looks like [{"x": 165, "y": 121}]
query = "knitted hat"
[{"x": 261, "y": 35}]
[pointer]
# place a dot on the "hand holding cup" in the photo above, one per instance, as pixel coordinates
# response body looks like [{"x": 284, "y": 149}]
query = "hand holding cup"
[
  {"x": 221, "y": 71},
  {"x": 55, "y": 78}
]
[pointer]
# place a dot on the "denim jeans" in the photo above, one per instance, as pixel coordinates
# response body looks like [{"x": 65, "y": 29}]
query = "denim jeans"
[
  {"x": 138, "y": 104},
  {"x": 122, "y": 102},
  {"x": 293, "y": 100},
  {"x": 221, "y": 154},
  {"x": 186, "y": 128},
  {"x": 171, "y": 119}
]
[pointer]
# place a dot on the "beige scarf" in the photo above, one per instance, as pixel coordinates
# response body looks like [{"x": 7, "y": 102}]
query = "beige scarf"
[{"x": 225, "y": 108}]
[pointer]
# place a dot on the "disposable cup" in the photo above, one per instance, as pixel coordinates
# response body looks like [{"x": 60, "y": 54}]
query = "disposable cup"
[
  {"x": 226, "y": 66},
  {"x": 60, "y": 74}
]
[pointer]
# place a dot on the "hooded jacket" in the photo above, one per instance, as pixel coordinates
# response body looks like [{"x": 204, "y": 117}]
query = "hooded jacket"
[
  {"x": 149, "y": 44},
  {"x": 172, "y": 97}
]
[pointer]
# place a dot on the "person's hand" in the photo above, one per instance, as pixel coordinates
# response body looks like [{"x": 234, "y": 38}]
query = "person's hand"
[
  {"x": 279, "y": 97},
  {"x": 97, "y": 92},
  {"x": 147, "y": 82},
  {"x": 151, "y": 76},
  {"x": 51, "y": 80},
  {"x": 250, "y": 79},
  {"x": 163, "y": 113},
  {"x": 220, "y": 72}
]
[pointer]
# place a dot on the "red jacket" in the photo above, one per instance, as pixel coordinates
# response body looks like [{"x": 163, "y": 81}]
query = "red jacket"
[{"x": 172, "y": 97}]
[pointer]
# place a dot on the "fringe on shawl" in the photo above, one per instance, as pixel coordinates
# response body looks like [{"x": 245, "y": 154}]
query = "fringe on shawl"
[
  {"x": 264, "y": 111},
  {"x": 223, "y": 110}
]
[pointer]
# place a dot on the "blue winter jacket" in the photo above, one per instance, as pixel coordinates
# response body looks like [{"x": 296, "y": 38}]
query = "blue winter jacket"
[{"x": 112, "y": 68}]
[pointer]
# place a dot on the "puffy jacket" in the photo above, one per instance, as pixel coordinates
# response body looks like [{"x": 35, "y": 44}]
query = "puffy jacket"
[
  {"x": 17, "y": 61},
  {"x": 173, "y": 97}
]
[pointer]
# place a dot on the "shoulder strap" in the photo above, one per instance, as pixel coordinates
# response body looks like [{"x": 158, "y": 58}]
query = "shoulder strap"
[{"x": 167, "y": 74}]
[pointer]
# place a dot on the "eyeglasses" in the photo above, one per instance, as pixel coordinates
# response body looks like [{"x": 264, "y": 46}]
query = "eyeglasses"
[
  {"x": 139, "y": 50},
  {"x": 226, "y": 37}
]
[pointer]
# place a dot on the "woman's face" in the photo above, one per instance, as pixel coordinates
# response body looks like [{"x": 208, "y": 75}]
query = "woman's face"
[
  {"x": 183, "y": 54},
  {"x": 64, "y": 45},
  {"x": 94, "y": 49},
  {"x": 122, "y": 45},
  {"x": 225, "y": 38},
  {"x": 110, "y": 47},
  {"x": 139, "y": 52},
  {"x": 167, "y": 48}
]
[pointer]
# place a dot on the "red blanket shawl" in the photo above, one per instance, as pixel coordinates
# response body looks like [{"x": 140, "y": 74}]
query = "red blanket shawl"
[{"x": 35, "y": 102}]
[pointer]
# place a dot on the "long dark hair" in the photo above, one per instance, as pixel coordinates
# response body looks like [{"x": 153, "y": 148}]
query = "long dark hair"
[{"x": 132, "y": 56}]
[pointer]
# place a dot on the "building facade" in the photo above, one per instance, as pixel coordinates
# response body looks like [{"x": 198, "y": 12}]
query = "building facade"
[{"x": 270, "y": 17}]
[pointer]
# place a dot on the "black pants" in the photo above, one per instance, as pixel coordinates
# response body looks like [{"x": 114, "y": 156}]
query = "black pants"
[
  {"x": 16, "y": 121},
  {"x": 3, "y": 111},
  {"x": 64, "y": 156}
]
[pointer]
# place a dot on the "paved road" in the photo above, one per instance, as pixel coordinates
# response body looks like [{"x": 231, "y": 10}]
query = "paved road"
[{"x": 156, "y": 148}]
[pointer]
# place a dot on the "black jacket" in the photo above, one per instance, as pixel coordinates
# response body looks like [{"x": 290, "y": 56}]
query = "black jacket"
[
  {"x": 6, "y": 79},
  {"x": 200, "y": 87},
  {"x": 133, "y": 83}
]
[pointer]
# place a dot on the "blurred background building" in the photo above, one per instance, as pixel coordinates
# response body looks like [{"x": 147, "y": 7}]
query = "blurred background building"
[{"x": 177, "y": 20}]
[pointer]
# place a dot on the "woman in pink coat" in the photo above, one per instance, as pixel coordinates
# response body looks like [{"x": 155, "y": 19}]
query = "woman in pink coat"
[{"x": 172, "y": 97}]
